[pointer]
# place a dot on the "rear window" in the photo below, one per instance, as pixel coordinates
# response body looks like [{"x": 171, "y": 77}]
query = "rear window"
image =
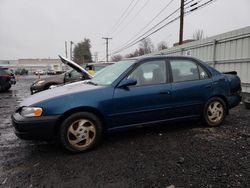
[{"x": 184, "y": 70}]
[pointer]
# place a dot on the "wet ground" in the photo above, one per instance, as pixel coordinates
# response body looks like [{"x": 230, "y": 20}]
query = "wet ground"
[{"x": 175, "y": 155}]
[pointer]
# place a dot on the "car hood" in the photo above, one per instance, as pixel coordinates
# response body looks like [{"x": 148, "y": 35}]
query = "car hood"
[
  {"x": 56, "y": 78},
  {"x": 65, "y": 90},
  {"x": 75, "y": 66}
]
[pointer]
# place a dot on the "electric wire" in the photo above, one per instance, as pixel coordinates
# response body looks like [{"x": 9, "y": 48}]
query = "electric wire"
[
  {"x": 125, "y": 15},
  {"x": 124, "y": 12},
  {"x": 132, "y": 39},
  {"x": 158, "y": 14},
  {"x": 131, "y": 20},
  {"x": 186, "y": 13}
]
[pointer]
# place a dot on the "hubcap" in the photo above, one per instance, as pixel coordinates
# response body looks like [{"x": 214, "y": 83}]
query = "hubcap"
[
  {"x": 215, "y": 112},
  {"x": 81, "y": 133}
]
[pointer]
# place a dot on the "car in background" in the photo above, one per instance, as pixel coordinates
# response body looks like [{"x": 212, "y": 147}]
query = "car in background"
[
  {"x": 130, "y": 93},
  {"x": 7, "y": 78},
  {"x": 40, "y": 72},
  {"x": 77, "y": 73},
  {"x": 21, "y": 72},
  {"x": 92, "y": 68},
  {"x": 51, "y": 72}
]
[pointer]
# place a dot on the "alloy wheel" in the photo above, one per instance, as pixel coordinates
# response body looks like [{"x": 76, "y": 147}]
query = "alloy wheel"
[
  {"x": 215, "y": 112},
  {"x": 81, "y": 133}
]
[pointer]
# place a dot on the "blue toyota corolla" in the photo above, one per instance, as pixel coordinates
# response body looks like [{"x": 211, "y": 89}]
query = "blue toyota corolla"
[{"x": 126, "y": 94}]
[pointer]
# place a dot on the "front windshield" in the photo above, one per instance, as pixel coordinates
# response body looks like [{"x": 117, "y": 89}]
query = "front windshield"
[{"x": 109, "y": 74}]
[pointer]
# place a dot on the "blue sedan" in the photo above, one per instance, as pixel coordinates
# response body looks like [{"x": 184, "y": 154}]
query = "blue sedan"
[{"x": 127, "y": 94}]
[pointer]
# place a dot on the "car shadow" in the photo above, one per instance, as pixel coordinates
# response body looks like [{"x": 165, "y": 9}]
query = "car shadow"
[
  {"x": 54, "y": 147},
  {"x": 156, "y": 129}
]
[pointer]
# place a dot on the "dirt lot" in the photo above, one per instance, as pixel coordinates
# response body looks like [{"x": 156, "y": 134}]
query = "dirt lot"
[{"x": 181, "y": 155}]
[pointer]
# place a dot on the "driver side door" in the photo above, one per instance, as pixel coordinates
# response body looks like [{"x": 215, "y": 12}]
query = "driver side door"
[{"x": 147, "y": 101}]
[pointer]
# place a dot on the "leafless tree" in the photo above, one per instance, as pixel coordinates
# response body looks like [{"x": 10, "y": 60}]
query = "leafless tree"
[
  {"x": 162, "y": 45},
  {"x": 146, "y": 45},
  {"x": 116, "y": 58},
  {"x": 198, "y": 34}
]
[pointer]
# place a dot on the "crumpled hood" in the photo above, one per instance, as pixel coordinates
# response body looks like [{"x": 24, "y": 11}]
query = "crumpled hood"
[
  {"x": 57, "y": 92},
  {"x": 56, "y": 78}
]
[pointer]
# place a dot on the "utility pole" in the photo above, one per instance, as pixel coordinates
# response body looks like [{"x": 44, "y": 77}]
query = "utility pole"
[
  {"x": 96, "y": 56},
  {"x": 107, "y": 47},
  {"x": 66, "y": 47},
  {"x": 181, "y": 22},
  {"x": 71, "y": 57}
]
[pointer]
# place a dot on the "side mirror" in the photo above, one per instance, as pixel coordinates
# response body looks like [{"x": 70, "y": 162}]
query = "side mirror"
[{"x": 127, "y": 82}]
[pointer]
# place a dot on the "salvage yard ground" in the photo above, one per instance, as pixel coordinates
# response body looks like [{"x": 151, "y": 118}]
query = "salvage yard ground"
[{"x": 182, "y": 155}]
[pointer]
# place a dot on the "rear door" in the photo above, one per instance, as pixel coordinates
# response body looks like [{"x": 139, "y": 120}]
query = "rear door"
[
  {"x": 191, "y": 86},
  {"x": 149, "y": 100}
]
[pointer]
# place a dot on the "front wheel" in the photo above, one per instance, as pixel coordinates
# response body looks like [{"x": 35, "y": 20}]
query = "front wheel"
[
  {"x": 214, "y": 112},
  {"x": 80, "y": 132}
]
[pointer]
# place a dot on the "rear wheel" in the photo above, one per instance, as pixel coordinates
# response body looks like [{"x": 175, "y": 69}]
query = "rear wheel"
[
  {"x": 80, "y": 132},
  {"x": 214, "y": 112}
]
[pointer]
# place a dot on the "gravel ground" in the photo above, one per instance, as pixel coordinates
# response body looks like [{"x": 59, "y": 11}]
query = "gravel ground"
[{"x": 175, "y": 155}]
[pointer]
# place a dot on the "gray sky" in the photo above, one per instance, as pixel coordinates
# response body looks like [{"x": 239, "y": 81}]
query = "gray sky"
[{"x": 39, "y": 28}]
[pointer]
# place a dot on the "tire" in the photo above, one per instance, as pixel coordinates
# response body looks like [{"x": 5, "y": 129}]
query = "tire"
[
  {"x": 214, "y": 112},
  {"x": 247, "y": 103},
  {"x": 80, "y": 132},
  {"x": 6, "y": 87}
]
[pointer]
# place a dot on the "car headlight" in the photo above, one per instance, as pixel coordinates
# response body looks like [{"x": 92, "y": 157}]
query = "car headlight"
[
  {"x": 40, "y": 82},
  {"x": 31, "y": 111}
]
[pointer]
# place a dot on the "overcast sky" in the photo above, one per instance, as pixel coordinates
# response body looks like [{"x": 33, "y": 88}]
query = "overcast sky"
[{"x": 39, "y": 28}]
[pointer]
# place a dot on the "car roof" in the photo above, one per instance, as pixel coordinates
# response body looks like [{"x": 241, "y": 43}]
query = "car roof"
[
  {"x": 101, "y": 63},
  {"x": 160, "y": 56}
]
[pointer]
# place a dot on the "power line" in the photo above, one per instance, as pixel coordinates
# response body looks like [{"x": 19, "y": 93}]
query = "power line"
[
  {"x": 125, "y": 16},
  {"x": 133, "y": 18},
  {"x": 164, "y": 8},
  {"x": 124, "y": 12},
  {"x": 187, "y": 12},
  {"x": 127, "y": 44},
  {"x": 138, "y": 40},
  {"x": 132, "y": 39}
]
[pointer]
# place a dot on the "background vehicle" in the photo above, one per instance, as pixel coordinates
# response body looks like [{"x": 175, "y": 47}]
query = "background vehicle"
[
  {"x": 21, "y": 72},
  {"x": 128, "y": 94},
  {"x": 7, "y": 78},
  {"x": 40, "y": 72},
  {"x": 92, "y": 68},
  {"x": 77, "y": 73}
]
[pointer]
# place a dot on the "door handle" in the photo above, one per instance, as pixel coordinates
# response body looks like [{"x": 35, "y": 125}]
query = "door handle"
[
  {"x": 164, "y": 92},
  {"x": 208, "y": 86}
]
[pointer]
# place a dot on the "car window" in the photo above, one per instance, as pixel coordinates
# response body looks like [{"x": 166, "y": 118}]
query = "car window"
[
  {"x": 184, "y": 70},
  {"x": 74, "y": 73},
  {"x": 203, "y": 73},
  {"x": 148, "y": 73},
  {"x": 110, "y": 73}
]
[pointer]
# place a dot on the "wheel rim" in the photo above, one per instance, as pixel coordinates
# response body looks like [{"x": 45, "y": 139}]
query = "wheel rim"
[
  {"x": 81, "y": 133},
  {"x": 215, "y": 112}
]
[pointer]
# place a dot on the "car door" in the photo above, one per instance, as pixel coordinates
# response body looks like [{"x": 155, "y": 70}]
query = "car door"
[
  {"x": 191, "y": 86},
  {"x": 147, "y": 101}
]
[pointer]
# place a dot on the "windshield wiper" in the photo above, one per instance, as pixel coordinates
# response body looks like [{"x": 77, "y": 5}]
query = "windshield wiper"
[{"x": 92, "y": 83}]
